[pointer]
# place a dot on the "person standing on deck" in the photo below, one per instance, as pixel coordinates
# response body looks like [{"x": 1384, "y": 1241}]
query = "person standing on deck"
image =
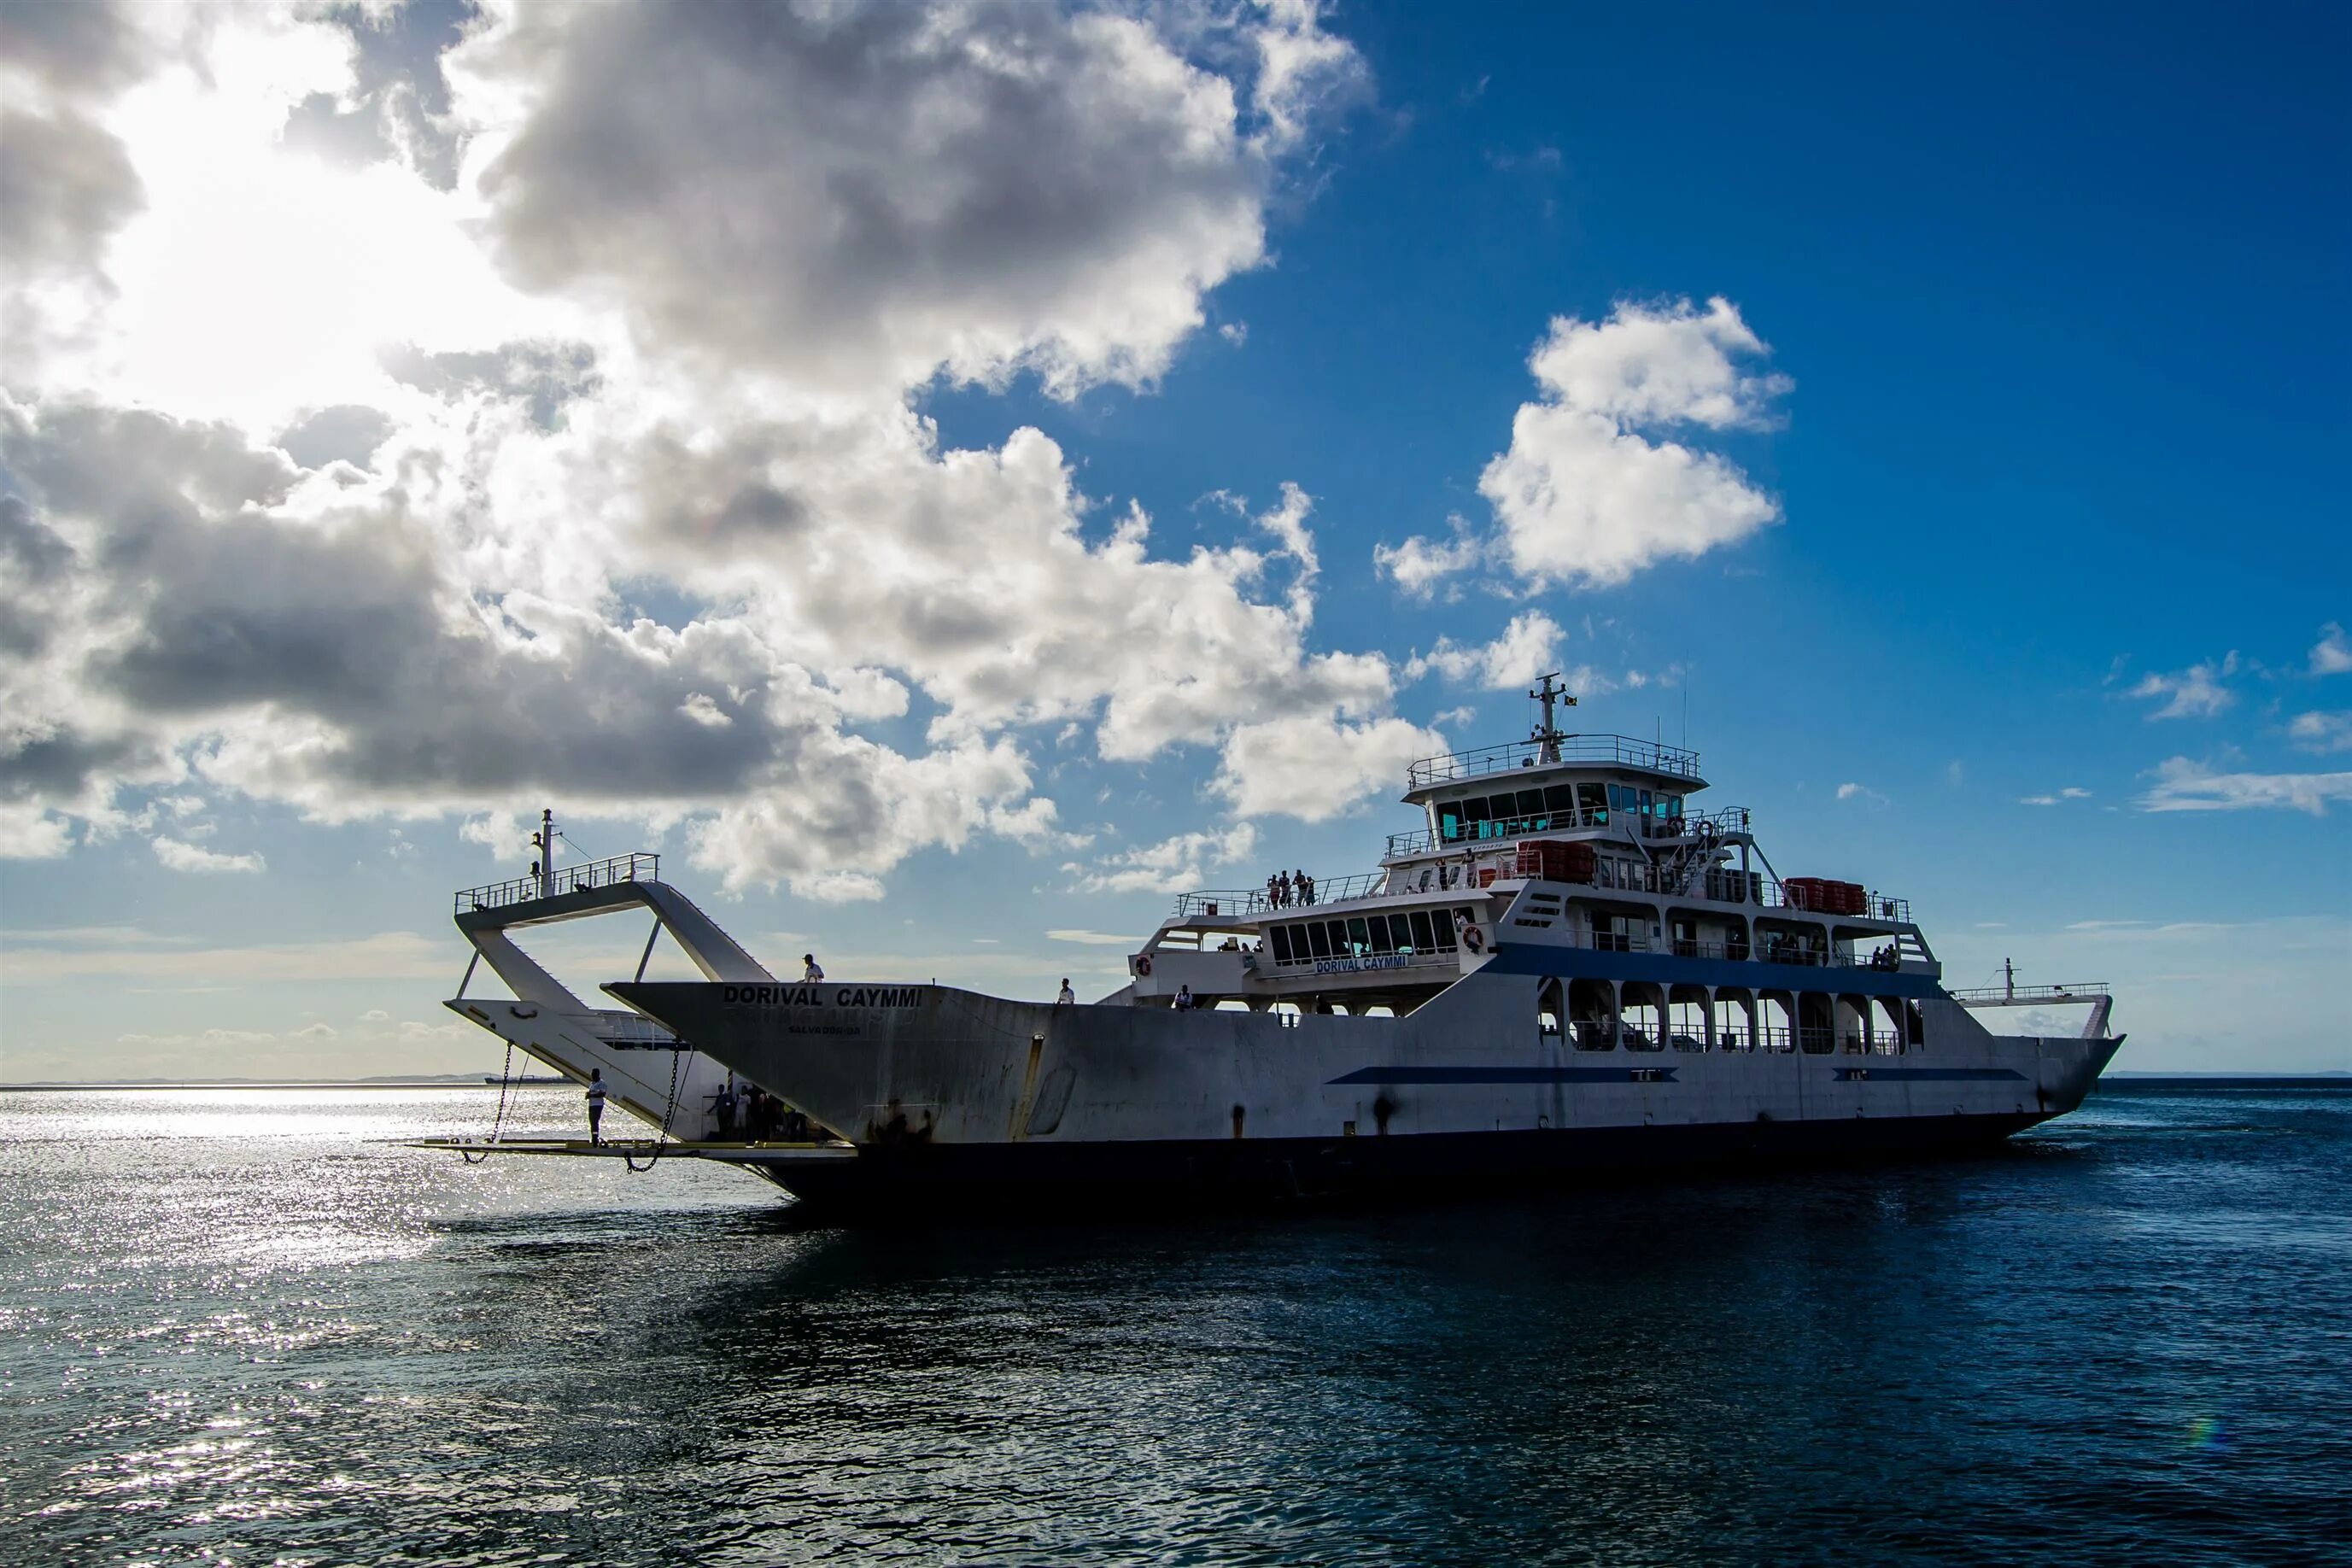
[
  {"x": 1069, "y": 998},
  {"x": 810, "y": 970},
  {"x": 596, "y": 1105}
]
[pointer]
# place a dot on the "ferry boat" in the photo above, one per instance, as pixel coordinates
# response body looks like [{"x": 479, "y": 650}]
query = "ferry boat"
[{"x": 1567, "y": 967}]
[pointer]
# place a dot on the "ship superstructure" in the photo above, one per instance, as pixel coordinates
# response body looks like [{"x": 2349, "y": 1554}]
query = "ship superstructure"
[{"x": 1567, "y": 967}]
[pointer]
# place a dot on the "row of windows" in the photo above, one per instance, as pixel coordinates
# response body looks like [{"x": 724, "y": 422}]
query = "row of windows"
[
  {"x": 1365, "y": 936},
  {"x": 1556, "y": 805}
]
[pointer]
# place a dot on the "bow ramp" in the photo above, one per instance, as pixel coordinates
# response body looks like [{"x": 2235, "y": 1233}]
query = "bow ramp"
[{"x": 650, "y": 1072}]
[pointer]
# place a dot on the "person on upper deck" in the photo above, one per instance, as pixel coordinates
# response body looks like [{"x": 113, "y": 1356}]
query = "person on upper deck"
[
  {"x": 1069, "y": 998},
  {"x": 1184, "y": 999},
  {"x": 810, "y": 970}
]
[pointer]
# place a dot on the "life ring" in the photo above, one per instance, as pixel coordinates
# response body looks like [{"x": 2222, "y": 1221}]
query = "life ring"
[
  {"x": 1143, "y": 965},
  {"x": 1473, "y": 938}
]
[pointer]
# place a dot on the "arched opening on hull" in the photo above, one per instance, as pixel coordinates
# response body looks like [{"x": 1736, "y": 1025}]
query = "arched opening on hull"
[
  {"x": 1644, "y": 1020},
  {"x": 1592, "y": 1015},
  {"x": 1687, "y": 1025},
  {"x": 1735, "y": 1019}
]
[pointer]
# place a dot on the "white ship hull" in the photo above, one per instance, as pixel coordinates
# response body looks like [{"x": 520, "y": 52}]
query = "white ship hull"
[{"x": 950, "y": 1095}]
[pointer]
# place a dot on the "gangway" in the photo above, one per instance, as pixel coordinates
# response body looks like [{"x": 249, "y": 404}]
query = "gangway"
[{"x": 647, "y": 1071}]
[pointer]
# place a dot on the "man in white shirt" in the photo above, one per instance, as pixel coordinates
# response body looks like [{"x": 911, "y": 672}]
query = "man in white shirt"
[
  {"x": 596, "y": 1105},
  {"x": 810, "y": 970},
  {"x": 1183, "y": 998},
  {"x": 1069, "y": 998}
]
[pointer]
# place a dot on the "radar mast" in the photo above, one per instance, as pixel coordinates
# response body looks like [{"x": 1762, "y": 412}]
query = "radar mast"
[{"x": 1547, "y": 734}]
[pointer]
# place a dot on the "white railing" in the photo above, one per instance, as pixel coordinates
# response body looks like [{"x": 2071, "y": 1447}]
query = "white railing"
[
  {"x": 1623, "y": 750},
  {"x": 641, "y": 867}
]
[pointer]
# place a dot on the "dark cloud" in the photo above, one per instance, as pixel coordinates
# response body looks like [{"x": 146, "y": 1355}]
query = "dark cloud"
[
  {"x": 399, "y": 103},
  {"x": 33, "y": 550},
  {"x": 340, "y": 663},
  {"x": 66, "y": 186},
  {"x": 864, "y": 190},
  {"x": 44, "y": 765},
  {"x": 543, "y": 377},
  {"x": 131, "y": 472},
  {"x": 72, "y": 45},
  {"x": 349, "y": 432},
  {"x": 32, "y": 558}
]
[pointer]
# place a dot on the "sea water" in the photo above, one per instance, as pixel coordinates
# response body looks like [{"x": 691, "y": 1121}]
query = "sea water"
[{"x": 245, "y": 1327}]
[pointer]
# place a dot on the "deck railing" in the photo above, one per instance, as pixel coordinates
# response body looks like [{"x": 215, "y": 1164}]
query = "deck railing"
[
  {"x": 1732, "y": 819},
  {"x": 1222, "y": 903},
  {"x": 1623, "y": 750},
  {"x": 2081, "y": 991},
  {"x": 1736, "y": 953},
  {"x": 640, "y": 867}
]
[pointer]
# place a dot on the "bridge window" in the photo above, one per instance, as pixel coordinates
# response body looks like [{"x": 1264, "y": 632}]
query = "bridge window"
[
  {"x": 1279, "y": 936},
  {"x": 1559, "y": 800},
  {"x": 1318, "y": 945},
  {"x": 1449, "y": 821},
  {"x": 1423, "y": 940},
  {"x": 1592, "y": 805},
  {"x": 1360, "y": 942},
  {"x": 1474, "y": 812},
  {"x": 1380, "y": 942}
]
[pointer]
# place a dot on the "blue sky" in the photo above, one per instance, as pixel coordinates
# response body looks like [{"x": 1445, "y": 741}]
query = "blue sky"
[{"x": 2053, "y": 462}]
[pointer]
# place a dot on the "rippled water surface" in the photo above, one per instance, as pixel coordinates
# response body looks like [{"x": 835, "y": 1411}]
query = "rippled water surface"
[{"x": 241, "y": 1327}]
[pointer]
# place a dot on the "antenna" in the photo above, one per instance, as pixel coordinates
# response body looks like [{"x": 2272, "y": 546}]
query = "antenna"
[{"x": 1546, "y": 734}]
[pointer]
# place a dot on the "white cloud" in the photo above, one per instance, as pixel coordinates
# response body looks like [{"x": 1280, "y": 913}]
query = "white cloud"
[
  {"x": 2196, "y": 692},
  {"x": 2321, "y": 731},
  {"x": 2185, "y": 785},
  {"x": 1314, "y": 769},
  {"x": 29, "y": 832},
  {"x": 434, "y": 619},
  {"x": 1589, "y": 492},
  {"x": 2055, "y": 796},
  {"x": 704, "y": 710},
  {"x": 1528, "y": 646},
  {"x": 2332, "y": 653},
  {"x": 1419, "y": 565},
  {"x": 1092, "y": 938},
  {"x": 1302, "y": 69},
  {"x": 180, "y": 855},
  {"x": 405, "y": 473},
  {"x": 864, "y": 194},
  {"x": 1287, "y": 523},
  {"x": 1860, "y": 791},
  {"x": 1173, "y": 864}
]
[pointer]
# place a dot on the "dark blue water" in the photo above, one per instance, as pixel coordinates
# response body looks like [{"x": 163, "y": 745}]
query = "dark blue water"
[{"x": 234, "y": 1329}]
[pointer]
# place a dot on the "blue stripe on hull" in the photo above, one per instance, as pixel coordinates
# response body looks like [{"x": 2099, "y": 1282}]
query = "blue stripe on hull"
[
  {"x": 1405, "y": 1075},
  {"x": 1930, "y": 1075}
]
